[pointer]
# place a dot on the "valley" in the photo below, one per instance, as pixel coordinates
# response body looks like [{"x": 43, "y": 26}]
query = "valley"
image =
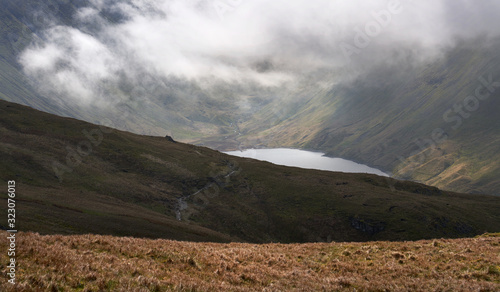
[{"x": 405, "y": 124}]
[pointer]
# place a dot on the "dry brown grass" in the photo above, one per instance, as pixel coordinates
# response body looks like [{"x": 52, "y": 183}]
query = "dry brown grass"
[{"x": 97, "y": 263}]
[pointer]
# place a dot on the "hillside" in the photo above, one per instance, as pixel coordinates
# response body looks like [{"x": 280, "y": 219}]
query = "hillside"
[
  {"x": 93, "y": 262},
  {"x": 422, "y": 123},
  {"x": 73, "y": 177}
]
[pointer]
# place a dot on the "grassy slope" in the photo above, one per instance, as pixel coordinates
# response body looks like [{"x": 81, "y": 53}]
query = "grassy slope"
[
  {"x": 105, "y": 263},
  {"x": 130, "y": 185}
]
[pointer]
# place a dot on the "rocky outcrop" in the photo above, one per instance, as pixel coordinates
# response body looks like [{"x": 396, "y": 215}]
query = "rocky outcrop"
[
  {"x": 170, "y": 139},
  {"x": 367, "y": 226}
]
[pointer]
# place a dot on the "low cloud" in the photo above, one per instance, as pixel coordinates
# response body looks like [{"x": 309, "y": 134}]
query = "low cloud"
[{"x": 269, "y": 44}]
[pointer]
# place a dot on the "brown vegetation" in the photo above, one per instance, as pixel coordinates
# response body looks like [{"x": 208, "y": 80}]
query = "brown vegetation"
[{"x": 96, "y": 263}]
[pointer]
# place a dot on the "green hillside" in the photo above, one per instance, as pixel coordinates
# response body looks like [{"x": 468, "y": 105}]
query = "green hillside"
[{"x": 74, "y": 177}]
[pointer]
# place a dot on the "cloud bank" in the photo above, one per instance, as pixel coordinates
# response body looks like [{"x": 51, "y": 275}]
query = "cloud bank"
[{"x": 114, "y": 45}]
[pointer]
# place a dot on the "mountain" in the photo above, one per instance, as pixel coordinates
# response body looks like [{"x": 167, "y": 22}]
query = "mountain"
[
  {"x": 436, "y": 124},
  {"x": 419, "y": 118},
  {"x": 95, "y": 262},
  {"x": 152, "y": 105},
  {"x": 73, "y": 177}
]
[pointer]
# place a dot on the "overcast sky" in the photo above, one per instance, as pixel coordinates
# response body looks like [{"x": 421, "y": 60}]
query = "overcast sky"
[{"x": 237, "y": 41}]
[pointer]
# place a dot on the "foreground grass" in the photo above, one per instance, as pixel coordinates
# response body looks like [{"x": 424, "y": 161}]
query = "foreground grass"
[{"x": 96, "y": 262}]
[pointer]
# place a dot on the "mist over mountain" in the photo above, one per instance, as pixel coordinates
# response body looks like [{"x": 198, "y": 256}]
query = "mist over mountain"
[{"x": 111, "y": 43}]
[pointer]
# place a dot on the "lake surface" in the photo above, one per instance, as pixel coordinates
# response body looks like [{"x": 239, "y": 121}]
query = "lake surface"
[{"x": 305, "y": 159}]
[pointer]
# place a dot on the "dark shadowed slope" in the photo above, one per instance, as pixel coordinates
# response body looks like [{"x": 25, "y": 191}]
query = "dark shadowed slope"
[{"x": 75, "y": 177}]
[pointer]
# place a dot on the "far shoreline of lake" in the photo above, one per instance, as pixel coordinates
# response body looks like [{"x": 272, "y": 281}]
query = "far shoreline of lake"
[{"x": 306, "y": 159}]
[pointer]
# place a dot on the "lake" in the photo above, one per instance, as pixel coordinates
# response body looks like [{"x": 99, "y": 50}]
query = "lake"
[{"x": 305, "y": 159}]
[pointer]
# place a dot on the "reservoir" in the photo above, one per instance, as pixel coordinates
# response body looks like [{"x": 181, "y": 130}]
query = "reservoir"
[{"x": 305, "y": 159}]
